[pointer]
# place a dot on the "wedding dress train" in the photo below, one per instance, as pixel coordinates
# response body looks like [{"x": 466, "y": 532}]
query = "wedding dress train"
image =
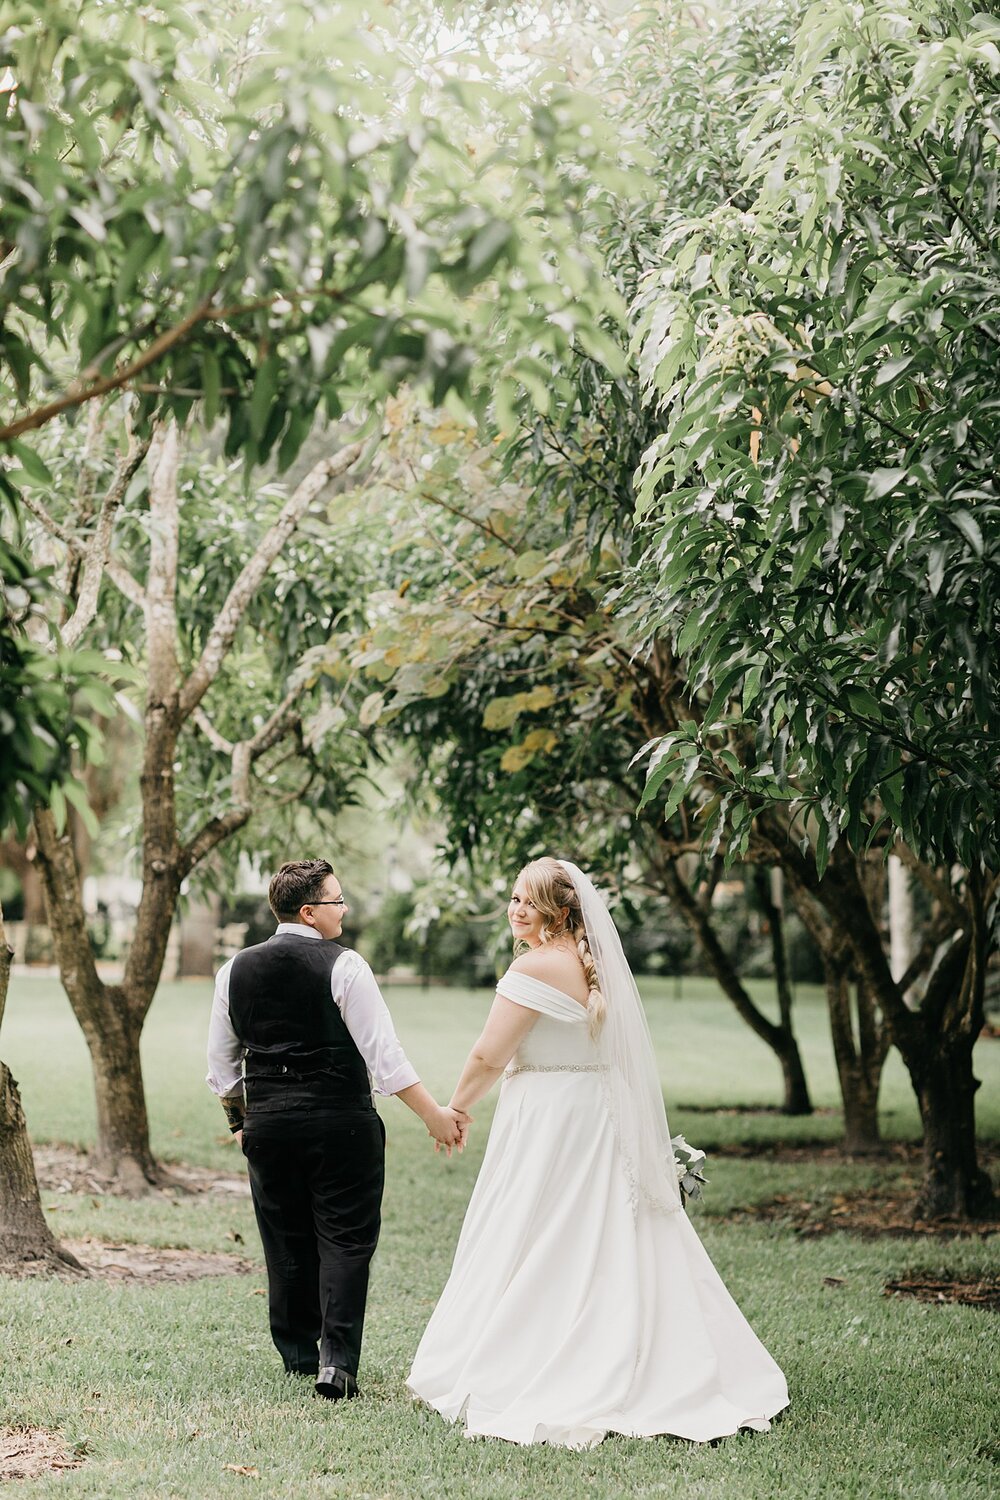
[{"x": 570, "y": 1312}]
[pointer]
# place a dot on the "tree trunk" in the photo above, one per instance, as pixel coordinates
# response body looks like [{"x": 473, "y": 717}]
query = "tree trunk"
[
  {"x": 900, "y": 909},
  {"x": 110, "y": 1016},
  {"x": 796, "y": 1090},
  {"x": 954, "y": 1185},
  {"x": 859, "y": 1064},
  {"x": 769, "y": 892},
  {"x": 122, "y": 1153},
  {"x": 780, "y": 1038},
  {"x": 15, "y": 856},
  {"x": 936, "y": 1040},
  {"x": 26, "y": 1241}
]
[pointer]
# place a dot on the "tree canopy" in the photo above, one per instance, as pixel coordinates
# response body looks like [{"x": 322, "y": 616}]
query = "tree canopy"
[{"x": 821, "y": 506}]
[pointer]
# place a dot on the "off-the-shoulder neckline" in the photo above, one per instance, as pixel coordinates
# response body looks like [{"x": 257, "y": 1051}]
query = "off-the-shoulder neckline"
[{"x": 544, "y": 985}]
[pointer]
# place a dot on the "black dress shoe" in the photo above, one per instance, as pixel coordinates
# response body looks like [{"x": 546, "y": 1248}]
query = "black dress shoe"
[{"x": 335, "y": 1385}]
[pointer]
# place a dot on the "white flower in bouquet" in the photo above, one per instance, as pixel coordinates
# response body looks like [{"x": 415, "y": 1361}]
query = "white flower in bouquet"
[{"x": 688, "y": 1163}]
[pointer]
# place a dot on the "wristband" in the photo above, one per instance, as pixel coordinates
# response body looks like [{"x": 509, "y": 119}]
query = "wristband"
[{"x": 235, "y": 1111}]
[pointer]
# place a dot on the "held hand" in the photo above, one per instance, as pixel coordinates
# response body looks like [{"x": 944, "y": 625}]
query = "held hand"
[
  {"x": 446, "y": 1129},
  {"x": 464, "y": 1121}
]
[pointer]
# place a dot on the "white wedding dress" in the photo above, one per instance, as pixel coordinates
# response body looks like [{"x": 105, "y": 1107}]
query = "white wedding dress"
[{"x": 569, "y": 1313}]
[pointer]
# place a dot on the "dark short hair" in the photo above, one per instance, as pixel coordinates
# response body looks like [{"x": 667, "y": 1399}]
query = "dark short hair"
[{"x": 295, "y": 885}]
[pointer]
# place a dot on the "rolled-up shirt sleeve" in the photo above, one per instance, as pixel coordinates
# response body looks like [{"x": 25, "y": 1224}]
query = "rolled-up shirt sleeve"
[
  {"x": 225, "y": 1050},
  {"x": 366, "y": 1016}
]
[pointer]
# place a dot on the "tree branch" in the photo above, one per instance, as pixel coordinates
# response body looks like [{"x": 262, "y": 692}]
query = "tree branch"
[
  {"x": 227, "y": 621},
  {"x": 244, "y": 753},
  {"x": 161, "y": 586},
  {"x": 52, "y": 526},
  {"x": 701, "y": 925},
  {"x": 215, "y": 739},
  {"x": 931, "y": 882},
  {"x": 83, "y": 390},
  {"x": 277, "y": 726},
  {"x": 842, "y": 897},
  {"x": 217, "y": 829},
  {"x": 6, "y": 959},
  {"x": 87, "y": 387},
  {"x": 96, "y": 555},
  {"x": 124, "y": 582},
  {"x": 116, "y": 571},
  {"x": 463, "y": 515},
  {"x": 87, "y": 472}
]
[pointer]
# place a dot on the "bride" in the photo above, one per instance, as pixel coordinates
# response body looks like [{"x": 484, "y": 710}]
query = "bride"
[{"x": 581, "y": 1300}]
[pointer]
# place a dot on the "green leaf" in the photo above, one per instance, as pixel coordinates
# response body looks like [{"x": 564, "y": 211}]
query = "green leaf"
[
  {"x": 656, "y": 776},
  {"x": 371, "y": 709},
  {"x": 487, "y": 245},
  {"x": 807, "y": 554},
  {"x": 211, "y": 384},
  {"x": 418, "y": 260},
  {"x": 881, "y": 481},
  {"x": 34, "y": 466},
  {"x": 822, "y": 848},
  {"x": 75, "y": 793},
  {"x": 969, "y": 527},
  {"x": 892, "y": 369},
  {"x": 862, "y": 702},
  {"x": 19, "y": 357},
  {"x": 262, "y": 397}
]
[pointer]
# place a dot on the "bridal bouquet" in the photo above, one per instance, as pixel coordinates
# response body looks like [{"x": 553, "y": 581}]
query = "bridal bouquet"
[{"x": 689, "y": 1164}]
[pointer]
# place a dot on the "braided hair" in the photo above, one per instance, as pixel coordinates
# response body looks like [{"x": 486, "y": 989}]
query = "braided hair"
[{"x": 554, "y": 897}]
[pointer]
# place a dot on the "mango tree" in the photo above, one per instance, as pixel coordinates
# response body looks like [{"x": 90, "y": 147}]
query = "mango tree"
[
  {"x": 822, "y": 511},
  {"x": 47, "y": 706},
  {"x": 197, "y": 237}
]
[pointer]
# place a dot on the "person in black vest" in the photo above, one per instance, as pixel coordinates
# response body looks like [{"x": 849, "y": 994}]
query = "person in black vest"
[{"x": 298, "y": 1037}]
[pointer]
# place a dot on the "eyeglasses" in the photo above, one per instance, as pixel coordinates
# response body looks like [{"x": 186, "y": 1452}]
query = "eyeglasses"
[{"x": 337, "y": 901}]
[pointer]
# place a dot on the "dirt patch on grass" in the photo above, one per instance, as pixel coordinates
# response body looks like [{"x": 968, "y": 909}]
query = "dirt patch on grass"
[
  {"x": 942, "y": 1287},
  {"x": 749, "y": 1109},
  {"x": 61, "y": 1169},
  {"x": 152, "y": 1263},
  {"x": 869, "y": 1213},
  {"x": 30, "y": 1452},
  {"x": 905, "y": 1152}
]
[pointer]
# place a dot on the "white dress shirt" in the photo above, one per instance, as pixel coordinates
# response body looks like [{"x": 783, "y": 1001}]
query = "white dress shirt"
[{"x": 357, "y": 996}]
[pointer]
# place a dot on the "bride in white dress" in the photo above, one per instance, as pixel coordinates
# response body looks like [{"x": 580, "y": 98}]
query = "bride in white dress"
[{"x": 581, "y": 1300}]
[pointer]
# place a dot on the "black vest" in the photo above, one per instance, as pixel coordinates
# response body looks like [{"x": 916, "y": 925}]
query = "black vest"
[{"x": 282, "y": 1010}]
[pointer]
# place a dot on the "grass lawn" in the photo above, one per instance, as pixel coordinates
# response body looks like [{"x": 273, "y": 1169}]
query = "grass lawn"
[{"x": 163, "y": 1386}]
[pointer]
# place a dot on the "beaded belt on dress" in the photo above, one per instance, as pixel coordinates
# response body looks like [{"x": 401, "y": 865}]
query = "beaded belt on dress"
[{"x": 555, "y": 1068}]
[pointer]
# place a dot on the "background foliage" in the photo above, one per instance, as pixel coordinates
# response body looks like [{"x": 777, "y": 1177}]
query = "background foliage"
[{"x": 820, "y": 509}]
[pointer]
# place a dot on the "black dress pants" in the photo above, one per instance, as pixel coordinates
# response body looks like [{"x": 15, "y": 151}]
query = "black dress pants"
[{"x": 316, "y": 1176}]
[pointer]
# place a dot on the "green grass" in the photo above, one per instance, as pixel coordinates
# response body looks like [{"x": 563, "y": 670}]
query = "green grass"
[{"x": 165, "y": 1386}]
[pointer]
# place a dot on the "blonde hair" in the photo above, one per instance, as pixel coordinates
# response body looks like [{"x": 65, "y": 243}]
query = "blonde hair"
[{"x": 554, "y": 897}]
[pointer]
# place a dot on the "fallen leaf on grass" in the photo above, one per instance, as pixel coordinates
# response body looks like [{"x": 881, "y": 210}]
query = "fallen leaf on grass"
[
  {"x": 834, "y": 1281},
  {"x": 246, "y": 1469}
]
